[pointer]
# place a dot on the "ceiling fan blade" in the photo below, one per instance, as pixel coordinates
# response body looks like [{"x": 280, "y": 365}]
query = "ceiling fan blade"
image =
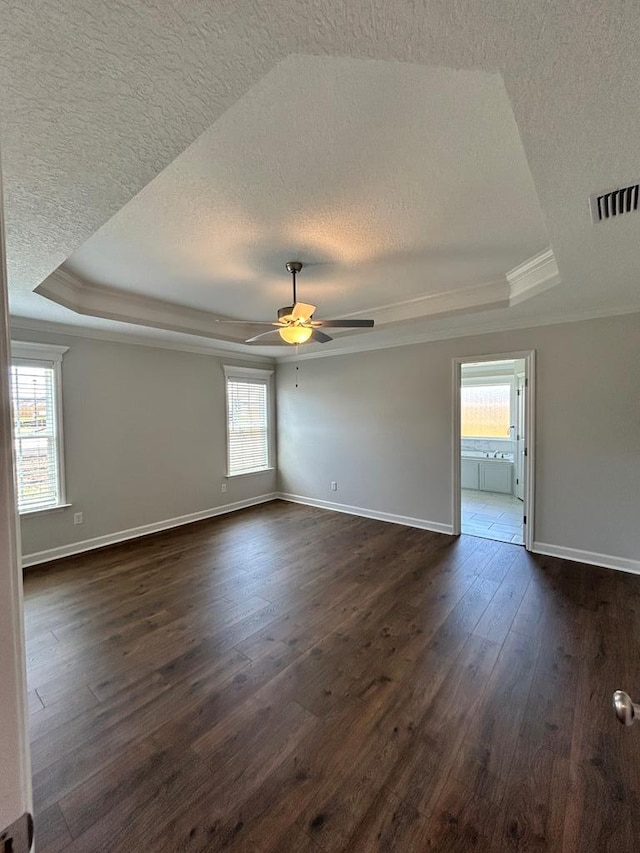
[
  {"x": 320, "y": 337},
  {"x": 302, "y": 311},
  {"x": 346, "y": 324},
  {"x": 267, "y": 337}
]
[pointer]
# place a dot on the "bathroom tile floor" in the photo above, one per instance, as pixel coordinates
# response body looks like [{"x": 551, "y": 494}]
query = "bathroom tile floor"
[{"x": 492, "y": 516}]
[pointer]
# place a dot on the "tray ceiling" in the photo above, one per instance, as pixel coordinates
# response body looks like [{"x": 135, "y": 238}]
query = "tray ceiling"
[{"x": 163, "y": 162}]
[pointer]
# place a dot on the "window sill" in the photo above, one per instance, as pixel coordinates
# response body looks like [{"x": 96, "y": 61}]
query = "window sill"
[
  {"x": 56, "y": 508},
  {"x": 249, "y": 473}
]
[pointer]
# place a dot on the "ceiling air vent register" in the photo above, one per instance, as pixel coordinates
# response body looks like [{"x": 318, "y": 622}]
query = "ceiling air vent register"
[{"x": 614, "y": 202}]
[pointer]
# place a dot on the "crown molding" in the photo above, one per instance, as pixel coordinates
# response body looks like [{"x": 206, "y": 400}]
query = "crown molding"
[
  {"x": 533, "y": 277},
  {"x": 27, "y": 324},
  {"x": 360, "y": 344},
  {"x": 450, "y": 334},
  {"x": 530, "y": 278},
  {"x": 110, "y": 303},
  {"x": 490, "y": 294}
]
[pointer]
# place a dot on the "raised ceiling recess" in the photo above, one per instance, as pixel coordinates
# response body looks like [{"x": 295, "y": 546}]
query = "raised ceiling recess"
[{"x": 403, "y": 189}]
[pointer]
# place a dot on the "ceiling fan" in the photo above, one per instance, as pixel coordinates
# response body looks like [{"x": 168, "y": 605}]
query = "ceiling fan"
[{"x": 295, "y": 324}]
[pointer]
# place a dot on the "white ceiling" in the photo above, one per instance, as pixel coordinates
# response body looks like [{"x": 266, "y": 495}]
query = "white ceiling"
[
  {"x": 411, "y": 155},
  {"x": 391, "y": 180}
]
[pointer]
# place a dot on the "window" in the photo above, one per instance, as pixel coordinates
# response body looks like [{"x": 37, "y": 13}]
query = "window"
[
  {"x": 486, "y": 411},
  {"x": 248, "y": 420},
  {"x": 37, "y": 425}
]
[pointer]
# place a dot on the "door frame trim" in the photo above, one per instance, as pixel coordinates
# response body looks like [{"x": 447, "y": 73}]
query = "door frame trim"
[
  {"x": 529, "y": 357},
  {"x": 15, "y": 780}
]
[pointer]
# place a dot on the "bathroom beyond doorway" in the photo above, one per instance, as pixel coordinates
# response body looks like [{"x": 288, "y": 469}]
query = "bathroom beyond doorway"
[{"x": 490, "y": 478}]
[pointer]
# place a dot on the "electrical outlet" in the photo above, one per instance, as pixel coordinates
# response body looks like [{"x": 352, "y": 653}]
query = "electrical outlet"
[
  {"x": 77, "y": 518},
  {"x": 334, "y": 486},
  {"x": 223, "y": 488}
]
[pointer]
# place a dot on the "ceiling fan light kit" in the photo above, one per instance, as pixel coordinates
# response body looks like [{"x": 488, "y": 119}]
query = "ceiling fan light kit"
[
  {"x": 295, "y": 334},
  {"x": 295, "y": 323}
]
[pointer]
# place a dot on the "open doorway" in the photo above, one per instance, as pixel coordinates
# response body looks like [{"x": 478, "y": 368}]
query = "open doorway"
[{"x": 493, "y": 447}]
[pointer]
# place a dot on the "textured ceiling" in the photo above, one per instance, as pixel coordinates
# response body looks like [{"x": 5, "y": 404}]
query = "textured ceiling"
[
  {"x": 390, "y": 180},
  {"x": 98, "y": 99}
]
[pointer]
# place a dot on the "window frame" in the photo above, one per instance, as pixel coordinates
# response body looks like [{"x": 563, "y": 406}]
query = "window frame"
[
  {"x": 45, "y": 355},
  {"x": 232, "y": 372}
]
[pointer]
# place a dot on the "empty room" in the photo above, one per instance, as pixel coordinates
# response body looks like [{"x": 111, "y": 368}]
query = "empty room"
[{"x": 320, "y": 467}]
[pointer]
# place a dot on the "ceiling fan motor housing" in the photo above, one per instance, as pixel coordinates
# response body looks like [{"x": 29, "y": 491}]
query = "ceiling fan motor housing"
[
  {"x": 295, "y": 322},
  {"x": 287, "y": 311}
]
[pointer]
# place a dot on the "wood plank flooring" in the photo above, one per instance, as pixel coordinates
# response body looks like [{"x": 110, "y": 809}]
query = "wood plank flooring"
[{"x": 293, "y": 680}]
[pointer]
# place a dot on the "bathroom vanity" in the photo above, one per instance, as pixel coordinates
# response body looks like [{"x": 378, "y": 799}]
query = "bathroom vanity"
[{"x": 487, "y": 474}]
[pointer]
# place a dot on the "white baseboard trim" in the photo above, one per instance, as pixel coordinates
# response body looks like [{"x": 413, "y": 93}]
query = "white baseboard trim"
[
  {"x": 144, "y": 530},
  {"x": 422, "y": 524},
  {"x": 606, "y": 561},
  {"x": 622, "y": 564}
]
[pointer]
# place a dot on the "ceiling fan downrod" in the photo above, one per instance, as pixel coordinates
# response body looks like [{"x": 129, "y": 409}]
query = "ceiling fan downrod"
[{"x": 294, "y": 268}]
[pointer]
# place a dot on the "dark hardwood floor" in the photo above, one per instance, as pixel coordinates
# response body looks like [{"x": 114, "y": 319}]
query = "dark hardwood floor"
[{"x": 295, "y": 680}]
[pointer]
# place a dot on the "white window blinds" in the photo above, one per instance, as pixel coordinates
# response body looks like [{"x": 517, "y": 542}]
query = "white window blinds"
[
  {"x": 247, "y": 422},
  {"x": 37, "y": 431}
]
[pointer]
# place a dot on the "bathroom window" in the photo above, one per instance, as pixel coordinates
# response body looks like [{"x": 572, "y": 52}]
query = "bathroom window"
[{"x": 486, "y": 411}]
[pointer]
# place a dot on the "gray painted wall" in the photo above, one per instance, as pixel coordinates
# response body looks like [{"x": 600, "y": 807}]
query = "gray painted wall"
[
  {"x": 144, "y": 440},
  {"x": 380, "y": 424}
]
